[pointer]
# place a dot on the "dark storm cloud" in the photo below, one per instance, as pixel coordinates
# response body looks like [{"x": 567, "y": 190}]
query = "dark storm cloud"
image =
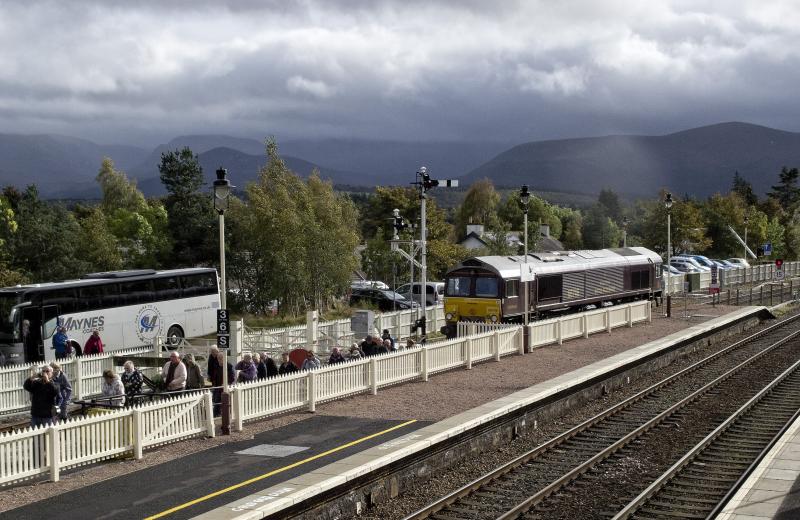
[{"x": 408, "y": 70}]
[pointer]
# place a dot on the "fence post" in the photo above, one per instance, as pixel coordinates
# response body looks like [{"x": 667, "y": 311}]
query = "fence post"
[
  {"x": 312, "y": 330},
  {"x": 138, "y": 433},
  {"x": 373, "y": 375},
  {"x": 209, "y": 406},
  {"x": 761, "y": 295},
  {"x": 54, "y": 452},
  {"x": 238, "y": 407},
  {"x": 496, "y": 345},
  {"x": 585, "y": 325},
  {"x": 629, "y": 315},
  {"x": 608, "y": 320},
  {"x": 750, "y": 301},
  {"x": 77, "y": 381},
  {"x": 312, "y": 391},
  {"x": 468, "y": 343},
  {"x": 649, "y": 313},
  {"x": 424, "y": 354},
  {"x": 558, "y": 331}
]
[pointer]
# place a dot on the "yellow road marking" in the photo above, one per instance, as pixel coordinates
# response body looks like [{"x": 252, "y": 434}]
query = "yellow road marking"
[{"x": 276, "y": 471}]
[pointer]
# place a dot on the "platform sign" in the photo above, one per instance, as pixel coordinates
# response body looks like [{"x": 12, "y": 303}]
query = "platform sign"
[
  {"x": 714, "y": 275},
  {"x": 768, "y": 249},
  {"x": 223, "y": 328}
]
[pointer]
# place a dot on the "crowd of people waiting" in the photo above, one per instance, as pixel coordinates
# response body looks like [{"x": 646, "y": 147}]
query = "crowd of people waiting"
[{"x": 51, "y": 390}]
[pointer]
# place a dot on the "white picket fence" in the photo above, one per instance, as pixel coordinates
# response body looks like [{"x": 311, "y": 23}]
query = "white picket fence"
[
  {"x": 79, "y": 441},
  {"x": 335, "y": 333},
  {"x": 85, "y": 374},
  {"x": 304, "y": 390},
  {"x": 557, "y": 330}
]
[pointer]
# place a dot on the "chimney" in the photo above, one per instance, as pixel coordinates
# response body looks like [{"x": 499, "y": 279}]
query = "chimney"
[
  {"x": 544, "y": 230},
  {"x": 475, "y": 228}
]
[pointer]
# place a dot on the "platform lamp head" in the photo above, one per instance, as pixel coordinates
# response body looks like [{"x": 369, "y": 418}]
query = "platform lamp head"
[
  {"x": 668, "y": 201},
  {"x": 222, "y": 191},
  {"x": 524, "y": 198}
]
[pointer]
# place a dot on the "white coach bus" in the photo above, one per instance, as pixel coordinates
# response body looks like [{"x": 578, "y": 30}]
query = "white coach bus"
[{"x": 128, "y": 308}]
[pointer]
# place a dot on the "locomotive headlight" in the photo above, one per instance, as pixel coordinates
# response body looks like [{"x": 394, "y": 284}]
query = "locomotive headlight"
[
  {"x": 494, "y": 318},
  {"x": 449, "y": 316}
]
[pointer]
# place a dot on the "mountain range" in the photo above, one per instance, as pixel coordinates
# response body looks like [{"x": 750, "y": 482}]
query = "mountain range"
[{"x": 698, "y": 161}]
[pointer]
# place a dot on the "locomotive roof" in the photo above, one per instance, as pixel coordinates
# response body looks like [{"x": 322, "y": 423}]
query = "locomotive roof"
[{"x": 545, "y": 262}]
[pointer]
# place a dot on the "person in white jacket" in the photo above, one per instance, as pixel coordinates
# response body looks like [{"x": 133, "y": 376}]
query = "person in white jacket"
[
  {"x": 112, "y": 387},
  {"x": 174, "y": 373}
]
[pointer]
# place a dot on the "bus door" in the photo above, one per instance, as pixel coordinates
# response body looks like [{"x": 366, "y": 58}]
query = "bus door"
[
  {"x": 49, "y": 325},
  {"x": 32, "y": 337}
]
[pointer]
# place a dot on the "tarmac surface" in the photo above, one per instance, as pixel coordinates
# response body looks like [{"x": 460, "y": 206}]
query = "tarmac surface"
[{"x": 191, "y": 485}]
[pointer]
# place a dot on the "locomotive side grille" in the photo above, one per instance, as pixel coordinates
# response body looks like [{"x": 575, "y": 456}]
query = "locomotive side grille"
[
  {"x": 573, "y": 286},
  {"x": 606, "y": 281}
]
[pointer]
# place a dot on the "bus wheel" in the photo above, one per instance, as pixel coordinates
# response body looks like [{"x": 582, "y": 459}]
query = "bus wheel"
[{"x": 174, "y": 336}]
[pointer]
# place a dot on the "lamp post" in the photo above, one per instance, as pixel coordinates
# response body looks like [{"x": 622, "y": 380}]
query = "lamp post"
[
  {"x": 524, "y": 200},
  {"x": 222, "y": 193},
  {"x": 624, "y": 231},
  {"x": 746, "y": 221},
  {"x": 668, "y": 206}
]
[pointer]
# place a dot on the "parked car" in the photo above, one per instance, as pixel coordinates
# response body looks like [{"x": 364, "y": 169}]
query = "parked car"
[
  {"x": 671, "y": 268},
  {"x": 368, "y": 284},
  {"x": 384, "y": 299},
  {"x": 702, "y": 261},
  {"x": 686, "y": 265},
  {"x": 434, "y": 292},
  {"x": 739, "y": 262},
  {"x": 722, "y": 265}
]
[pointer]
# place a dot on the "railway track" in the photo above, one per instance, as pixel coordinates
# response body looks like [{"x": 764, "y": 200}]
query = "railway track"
[
  {"x": 539, "y": 483},
  {"x": 702, "y": 482}
]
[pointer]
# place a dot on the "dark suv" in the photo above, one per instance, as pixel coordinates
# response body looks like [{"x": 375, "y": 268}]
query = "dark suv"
[{"x": 384, "y": 299}]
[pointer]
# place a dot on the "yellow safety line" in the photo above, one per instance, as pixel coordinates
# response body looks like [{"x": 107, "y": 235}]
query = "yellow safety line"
[{"x": 276, "y": 471}]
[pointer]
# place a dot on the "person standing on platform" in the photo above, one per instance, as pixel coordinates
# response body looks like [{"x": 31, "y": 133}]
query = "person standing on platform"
[
  {"x": 64, "y": 390},
  {"x": 287, "y": 367},
  {"x": 261, "y": 366},
  {"x": 272, "y": 367},
  {"x": 311, "y": 361},
  {"x": 43, "y": 397},
  {"x": 336, "y": 356},
  {"x": 132, "y": 380},
  {"x": 60, "y": 341},
  {"x": 216, "y": 358},
  {"x": 247, "y": 369},
  {"x": 194, "y": 376},
  {"x": 94, "y": 345},
  {"x": 112, "y": 388},
  {"x": 174, "y": 373}
]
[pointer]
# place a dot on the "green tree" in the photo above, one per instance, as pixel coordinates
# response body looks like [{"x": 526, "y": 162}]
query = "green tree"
[
  {"x": 190, "y": 214},
  {"x": 139, "y": 226},
  {"x": 688, "y": 227},
  {"x": 786, "y": 191},
  {"x": 611, "y": 205},
  {"x": 744, "y": 189},
  {"x": 479, "y": 207},
  {"x": 599, "y": 231},
  {"x": 100, "y": 246},
  {"x": 294, "y": 241},
  {"x": 572, "y": 238}
]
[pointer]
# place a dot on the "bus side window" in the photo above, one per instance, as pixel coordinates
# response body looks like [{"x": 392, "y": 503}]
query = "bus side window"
[
  {"x": 167, "y": 288},
  {"x": 90, "y": 298},
  {"x": 65, "y": 299},
  {"x": 199, "y": 284},
  {"x": 110, "y": 295},
  {"x": 139, "y": 291},
  {"x": 49, "y": 320}
]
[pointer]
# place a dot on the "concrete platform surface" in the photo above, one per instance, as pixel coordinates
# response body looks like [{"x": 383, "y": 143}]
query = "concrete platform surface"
[
  {"x": 192, "y": 485},
  {"x": 773, "y": 490},
  {"x": 276, "y": 498}
]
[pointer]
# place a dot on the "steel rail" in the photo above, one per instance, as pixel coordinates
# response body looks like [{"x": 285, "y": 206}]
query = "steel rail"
[
  {"x": 746, "y": 408},
  {"x": 534, "y": 499},
  {"x": 476, "y": 484}
]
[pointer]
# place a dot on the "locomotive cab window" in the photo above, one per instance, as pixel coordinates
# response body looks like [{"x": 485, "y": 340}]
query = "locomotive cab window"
[
  {"x": 458, "y": 286},
  {"x": 549, "y": 287},
  {"x": 486, "y": 287},
  {"x": 640, "y": 280},
  {"x": 512, "y": 288}
]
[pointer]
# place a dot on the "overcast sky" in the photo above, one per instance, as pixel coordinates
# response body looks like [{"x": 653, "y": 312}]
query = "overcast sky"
[{"x": 142, "y": 71}]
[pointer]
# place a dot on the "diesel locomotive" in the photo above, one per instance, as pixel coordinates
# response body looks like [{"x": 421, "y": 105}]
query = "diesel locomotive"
[{"x": 489, "y": 288}]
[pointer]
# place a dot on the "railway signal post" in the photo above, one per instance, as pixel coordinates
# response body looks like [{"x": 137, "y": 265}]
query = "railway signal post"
[{"x": 424, "y": 183}]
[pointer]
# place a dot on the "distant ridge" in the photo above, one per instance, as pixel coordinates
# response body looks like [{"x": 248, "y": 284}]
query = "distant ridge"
[{"x": 700, "y": 161}]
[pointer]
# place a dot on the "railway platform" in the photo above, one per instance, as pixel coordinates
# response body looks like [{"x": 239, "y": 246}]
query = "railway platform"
[
  {"x": 773, "y": 489},
  {"x": 349, "y": 485}
]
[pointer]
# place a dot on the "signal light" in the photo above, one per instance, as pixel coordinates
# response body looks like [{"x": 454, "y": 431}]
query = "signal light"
[{"x": 779, "y": 263}]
